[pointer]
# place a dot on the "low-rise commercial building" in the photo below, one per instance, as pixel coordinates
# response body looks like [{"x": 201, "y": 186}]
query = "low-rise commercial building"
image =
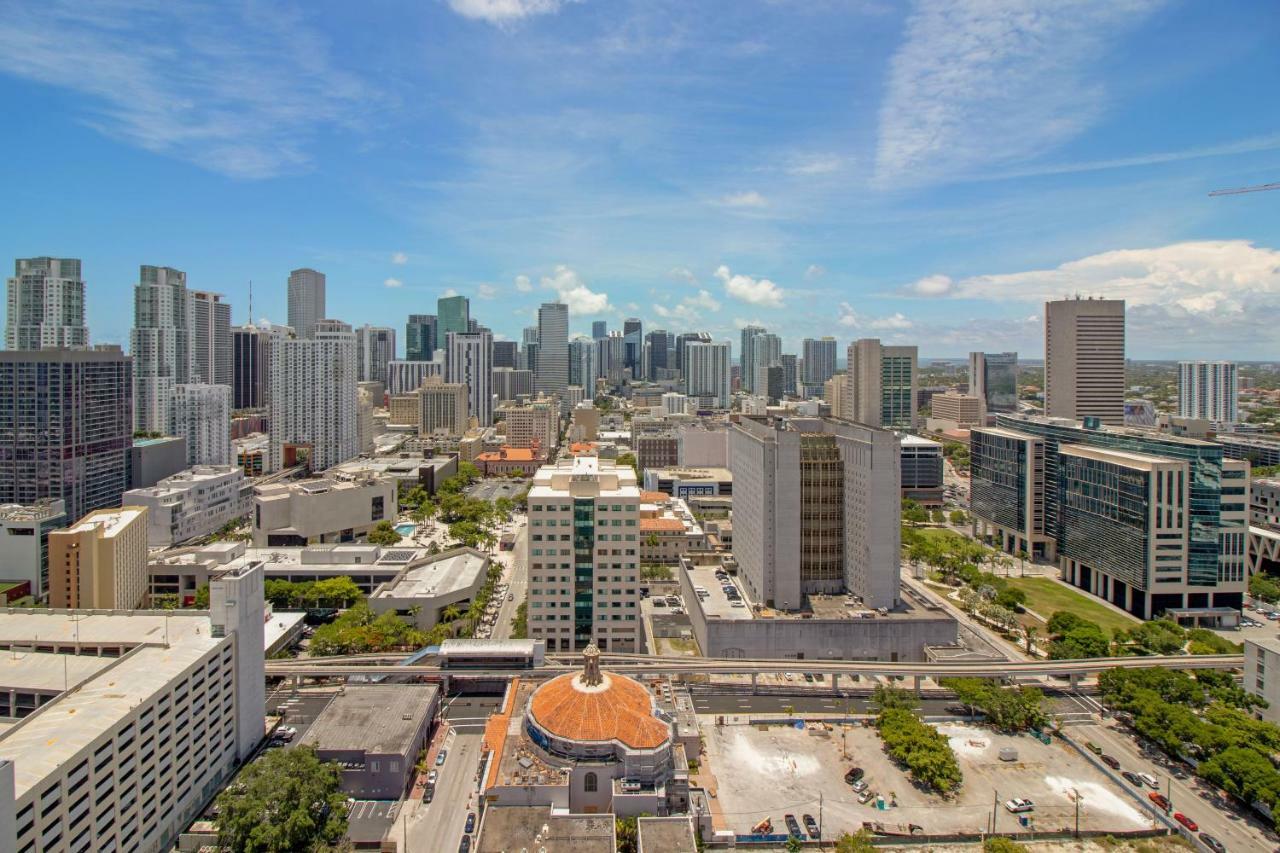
[
  {"x": 192, "y": 503},
  {"x": 101, "y": 561},
  {"x": 375, "y": 734},
  {"x": 668, "y": 530},
  {"x": 507, "y": 828},
  {"x": 510, "y": 460},
  {"x": 24, "y": 542},
  {"x": 684, "y": 483},
  {"x": 424, "y": 468},
  {"x": 955, "y": 411},
  {"x": 922, "y": 467},
  {"x": 132, "y": 720},
  {"x": 329, "y": 509},
  {"x": 425, "y": 588}
]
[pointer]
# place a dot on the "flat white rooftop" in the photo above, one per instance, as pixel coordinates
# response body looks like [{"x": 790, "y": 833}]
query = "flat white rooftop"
[
  {"x": 45, "y": 672},
  {"x": 112, "y": 521},
  {"x": 450, "y": 573}
]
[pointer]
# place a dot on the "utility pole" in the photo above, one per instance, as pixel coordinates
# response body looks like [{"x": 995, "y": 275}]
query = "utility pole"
[
  {"x": 995, "y": 809},
  {"x": 1077, "y": 793},
  {"x": 819, "y": 816}
]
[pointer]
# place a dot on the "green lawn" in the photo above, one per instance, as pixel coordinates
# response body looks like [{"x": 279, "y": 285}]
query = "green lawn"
[{"x": 1046, "y": 597}]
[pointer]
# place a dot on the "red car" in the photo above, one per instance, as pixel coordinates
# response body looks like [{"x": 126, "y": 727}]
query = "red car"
[
  {"x": 1186, "y": 821},
  {"x": 1159, "y": 799}
]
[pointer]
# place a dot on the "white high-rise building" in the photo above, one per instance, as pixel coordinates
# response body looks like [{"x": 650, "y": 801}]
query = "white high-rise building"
[
  {"x": 313, "y": 395},
  {"x": 306, "y": 300},
  {"x": 746, "y": 356},
  {"x": 210, "y": 338},
  {"x": 1208, "y": 390},
  {"x": 1084, "y": 359},
  {"x": 593, "y": 597},
  {"x": 706, "y": 371},
  {"x": 160, "y": 345},
  {"x": 552, "y": 373},
  {"x": 45, "y": 305},
  {"x": 468, "y": 361},
  {"x": 405, "y": 377},
  {"x": 375, "y": 349},
  {"x": 202, "y": 415}
]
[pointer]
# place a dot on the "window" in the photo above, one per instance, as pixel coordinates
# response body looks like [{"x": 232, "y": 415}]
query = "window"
[
  {"x": 376, "y": 511},
  {"x": 590, "y": 783}
]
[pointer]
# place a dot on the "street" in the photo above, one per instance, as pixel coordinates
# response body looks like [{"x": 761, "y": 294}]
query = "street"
[
  {"x": 517, "y": 577},
  {"x": 1189, "y": 796}
]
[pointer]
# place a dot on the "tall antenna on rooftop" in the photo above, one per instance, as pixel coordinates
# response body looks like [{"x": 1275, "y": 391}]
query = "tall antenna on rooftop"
[{"x": 250, "y": 302}]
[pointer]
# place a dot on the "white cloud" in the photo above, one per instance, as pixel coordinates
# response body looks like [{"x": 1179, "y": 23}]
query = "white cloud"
[
  {"x": 690, "y": 309},
  {"x": 747, "y": 289},
  {"x": 575, "y": 293},
  {"x": 813, "y": 164},
  {"x": 683, "y": 274},
  {"x": 976, "y": 83},
  {"x": 1218, "y": 292},
  {"x": 448, "y": 291},
  {"x": 742, "y": 323},
  {"x": 814, "y": 271},
  {"x": 523, "y": 284},
  {"x": 750, "y": 198},
  {"x": 848, "y": 317},
  {"x": 930, "y": 285},
  {"x": 894, "y": 321},
  {"x": 240, "y": 90},
  {"x": 486, "y": 291},
  {"x": 393, "y": 282},
  {"x": 504, "y": 12},
  {"x": 399, "y": 258}
]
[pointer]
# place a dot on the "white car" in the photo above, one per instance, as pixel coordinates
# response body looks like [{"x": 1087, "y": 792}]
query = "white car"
[{"x": 1019, "y": 805}]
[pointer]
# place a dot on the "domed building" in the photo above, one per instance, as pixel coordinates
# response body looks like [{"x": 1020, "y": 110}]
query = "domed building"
[{"x": 589, "y": 742}]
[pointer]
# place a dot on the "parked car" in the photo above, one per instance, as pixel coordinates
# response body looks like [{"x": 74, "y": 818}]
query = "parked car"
[
  {"x": 859, "y": 786},
  {"x": 1159, "y": 799},
  {"x": 1132, "y": 778},
  {"x": 428, "y": 793},
  {"x": 440, "y": 756},
  {"x": 432, "y": 776},
  {"x": 465, "y": 846},
  {"x": 1093, "y": 747},
  {"x": 1018, "y": 805},
  {"x": 471, "y": 823},
  {"x": 854, "y": 774},
  {"x": 1110, "y": 761},
  {"x": 1150, "y": 781},
  {"x": 811, "y": 825},
  {"x": 1212, "y": 843},
  {"x": 866, "y": 796},
  {"x": 1186, "y": 821},
  {"x": 793, "y": 826}
]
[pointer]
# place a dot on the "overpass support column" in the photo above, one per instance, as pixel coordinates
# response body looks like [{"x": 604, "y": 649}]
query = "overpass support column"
[
  {"x": 297, "y": 682},
  {"x": 1073, "y": 680},
  {"x": 918, "y": 679},
  {"x": 753, "y": 681},
  {"x": 835, "y": 682}
]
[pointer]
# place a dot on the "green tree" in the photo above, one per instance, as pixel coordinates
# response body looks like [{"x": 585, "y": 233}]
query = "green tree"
[
  {"x": 885, "y": 697},
  {"x": 629, "y": 459},
  {"x": 450, "y": 613},
  {"x": 1264, "y": 587},
  {"x": 288, "y": 800},
  {"x": 794, "y": 845},
  {"x": 1000, "y": 844},
  {"x": 857, "y": 842},
  {"x": 958, "y": 517},
  {"x": 384, "y": 534},
  {"x": 339, "y": 591},
  {"x": 202, "y": 598},
  {"x": 520, "y": 625},
  {"x": 627, "y": 834},
  {"x": 937, "y": 517},
  {"x": 1083, "y": 641},
  {"x": 920, "y": 748}
]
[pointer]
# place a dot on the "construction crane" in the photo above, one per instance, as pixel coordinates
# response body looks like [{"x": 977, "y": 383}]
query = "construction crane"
[{"x": 1241, "y": 190}]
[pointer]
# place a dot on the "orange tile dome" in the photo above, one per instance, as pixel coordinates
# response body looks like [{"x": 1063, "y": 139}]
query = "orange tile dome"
[{"x": 616, "y": 709}]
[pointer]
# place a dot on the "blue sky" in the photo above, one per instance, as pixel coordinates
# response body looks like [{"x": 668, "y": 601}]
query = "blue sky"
[{"x": 923, "y": 172}]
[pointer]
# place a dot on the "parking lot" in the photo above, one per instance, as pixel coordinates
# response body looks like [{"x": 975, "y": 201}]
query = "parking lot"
[
  {"x": 768, "y": 772},
  {"x": 494, "y": 488}
]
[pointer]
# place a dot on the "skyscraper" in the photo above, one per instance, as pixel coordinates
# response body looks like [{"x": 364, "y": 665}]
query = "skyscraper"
[
  {"x": 993, "y": 379},
  {"x": 819, "y": 360},
  {"x": 67, "y": 427},
  {"x": 202, "y": 416},
  {"x": 375, "y": 347},
  {"x": 746, "y": 356},
  {"x": 818, "y": 502},
  {"x": 552, "y": 373},
  {"x": 1208, "y": 390},
  {"x": 313, "y": 395},
  {"x": 682, "y": 342},
  {"x": 453, "y": 315},
  {"x": 210, "y": 338},
  {"x": 633, "y": 332},
  {"x": 766, "y": 352},
  {"x": 306, "y": 300},
  {"x": 160, "y": 345},
  {"x": 582, "y": 365},
  {"x": 420, "y": 338},
  {"x": 659, "y": 343},
  {"x": 1084, "y": 359},
  {"x": 506, "y": 354},
  {"x": 45, "y": 305},
  {"x": 880, "y": 385},
  {"x": 469, "y": 362},
  {"x": 250, "y": 367},
  {"x": 611, "y": 358},
  {"x": 599, "y": 329},
  {"x": 707, "y": 371}
]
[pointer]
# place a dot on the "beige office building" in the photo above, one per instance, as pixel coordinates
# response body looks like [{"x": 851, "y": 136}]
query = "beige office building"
[
  {"x": 537, "y": 424},
  {"x": 405, "y": 409},
  {"x": 880, "y": 385},
  {"x": 1084, "y": 359},
  {"x": 100, "y": 563},
  {"x": 443, "y": 407},
  {"x": 956, "y": 410}
]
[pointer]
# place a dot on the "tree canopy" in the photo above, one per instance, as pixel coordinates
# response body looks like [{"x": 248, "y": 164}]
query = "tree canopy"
[
  {"x": 384, "y": 534},
  {"x": 1006, "y": 708},
  {"x": 288, "y": 800}
]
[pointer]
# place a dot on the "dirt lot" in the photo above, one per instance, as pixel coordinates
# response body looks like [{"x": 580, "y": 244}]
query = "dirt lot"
[{"x": 770, "y": 772}]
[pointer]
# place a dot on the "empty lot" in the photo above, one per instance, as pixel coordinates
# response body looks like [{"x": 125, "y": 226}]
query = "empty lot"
[{"x": 770, "y": 772}]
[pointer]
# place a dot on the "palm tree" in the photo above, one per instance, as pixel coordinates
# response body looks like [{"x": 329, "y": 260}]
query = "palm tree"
[
  {"x": 1030, "y": 632},
  {"x": 1023, "y": 556},
  {"x": 450, "y": 613}
]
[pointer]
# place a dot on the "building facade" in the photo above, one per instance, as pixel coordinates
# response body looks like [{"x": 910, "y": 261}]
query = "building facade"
[
  {"x": 211, "y": 355},
  {"x": 1208, "y": 390},
  {"x": 250, "y": 367},
  {"x": 306, "y": 301},
  {"x": 45, "y": 300},
  {"x": 552, "y": 374},
  {"x": 420, "y": 337},
  {"x": 468, "y": 362},
  {"x": 815, "y": 510},
  {"x": 880, "y": 385},
  {"x": 584, "y": 563},
  {"x": 1084, "y": 359},
  {"x": 922, "y": 467},
  {"x": 313, "y": 398},
  {"x": 442, "y": 408},
  {"x": 67, "y": 427},
  {"x": 453, "y": 317},
  {"x": 819, "y": 355},
  {"x": 202, "y": 416},
  {"x": 375, "y": 348},
  {"x": 100, "y": 562},
  {"x": 315, "y": 512},
  {"x": 24, "y": 542},
  {"x": 706, "y": 371},
  {"x": 993, "y": 379},
  {"x": 192, "y": 503},
  {"x": 160, "y": 344}
]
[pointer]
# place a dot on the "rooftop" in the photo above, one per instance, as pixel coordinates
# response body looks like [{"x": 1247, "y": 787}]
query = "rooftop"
[
  {"x": 666, "y": 834},
  {"x": 111, "y": 521},
  {"x": 39, "y": 511},
  {"x": 693, "y": 473},
  {"x": 449, "y": 572},
  {"x": 380, "y": 719},
  {"x": 44, "y": 672},
  {"x": 506, "y": 829},
  {"x": 617, "y": 709}
]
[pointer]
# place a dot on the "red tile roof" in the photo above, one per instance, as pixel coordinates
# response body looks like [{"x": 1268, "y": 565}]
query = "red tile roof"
[{"x": 622, "y": 711}]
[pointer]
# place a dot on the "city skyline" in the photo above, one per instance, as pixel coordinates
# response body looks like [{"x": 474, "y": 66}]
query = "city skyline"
[{"x": 849, "y": 194}]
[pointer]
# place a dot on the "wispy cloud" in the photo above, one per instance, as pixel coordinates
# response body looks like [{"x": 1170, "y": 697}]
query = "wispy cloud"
[
  {"x": 504, "y": 12},
  {"x": 753, "y": 291},
  {"x": 523, "y": 284},
  {"x": 239, "y": 90},
  {"x": 814, "y": 271},
  {"x": 573, "y": 291},
  {"x": 750, "y": 198},
  {"x": 486, "y": 291},
  {"x": 813, "y": 164},
  {"x": 978, "y": 83},
  {"x": 690, "y": 309},
  {"x": 393, "y": 282},
  {"x": 399, "y": 258}
]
